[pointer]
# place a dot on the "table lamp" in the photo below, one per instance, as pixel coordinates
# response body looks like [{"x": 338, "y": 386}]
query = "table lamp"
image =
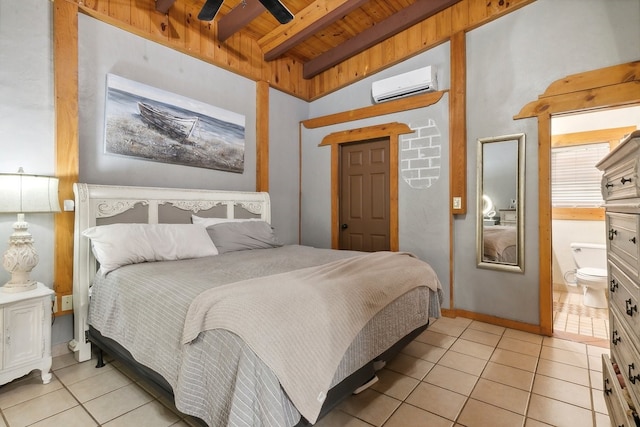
[{"x": 21, "y": 193}]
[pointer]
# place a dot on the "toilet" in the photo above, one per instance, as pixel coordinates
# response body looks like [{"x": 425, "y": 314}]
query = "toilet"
[{"x": 591, "y": 274}]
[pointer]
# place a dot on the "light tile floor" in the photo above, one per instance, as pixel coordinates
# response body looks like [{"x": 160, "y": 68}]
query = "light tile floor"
[
  {"x": 570, "y": 315},
  {"x": 459, "y": 372}
]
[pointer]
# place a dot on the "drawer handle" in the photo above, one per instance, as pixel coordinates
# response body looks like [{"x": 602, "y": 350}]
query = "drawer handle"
[
  {"x": 625, "y": 180},
  {"x": 633, "y": 378},
  {"x": 612, "y": 233},
  {"x": 614, "y": 285},
  {"x": 614, "y": 338},
  {"x": 629, "y": 307},
  {"x": 633, "y": 240},
  {"x": 609, "y": 185},
  {"x": 609, "y": 390}
]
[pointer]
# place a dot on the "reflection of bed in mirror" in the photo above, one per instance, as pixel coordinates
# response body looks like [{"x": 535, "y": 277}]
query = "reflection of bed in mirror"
[{"x": 500, "y": 244}]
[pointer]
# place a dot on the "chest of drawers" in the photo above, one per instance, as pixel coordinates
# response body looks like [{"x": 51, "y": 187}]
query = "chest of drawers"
[
  {"x": 621, "y": 193},
  {"x": 508, "y": 217}
]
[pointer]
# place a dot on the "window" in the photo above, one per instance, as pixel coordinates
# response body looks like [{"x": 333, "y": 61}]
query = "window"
[{"x": 575, "y": 180}]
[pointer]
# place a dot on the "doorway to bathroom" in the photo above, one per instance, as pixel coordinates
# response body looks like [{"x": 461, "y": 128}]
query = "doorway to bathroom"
[{"x": 578, "y": 142}]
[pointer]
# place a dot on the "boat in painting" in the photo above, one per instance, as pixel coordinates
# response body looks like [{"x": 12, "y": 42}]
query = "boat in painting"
[{"x": 179, "y": 128}]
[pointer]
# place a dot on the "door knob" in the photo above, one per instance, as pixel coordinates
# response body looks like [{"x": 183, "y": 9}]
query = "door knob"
[{"x": 344, "y": 226}]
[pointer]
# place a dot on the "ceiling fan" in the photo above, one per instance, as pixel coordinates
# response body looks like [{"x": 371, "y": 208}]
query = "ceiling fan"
[{"x": 275, "y": 7}]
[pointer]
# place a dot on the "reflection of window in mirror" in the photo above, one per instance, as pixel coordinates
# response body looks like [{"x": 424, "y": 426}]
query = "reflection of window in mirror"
[{"x": 575, "y": 181}]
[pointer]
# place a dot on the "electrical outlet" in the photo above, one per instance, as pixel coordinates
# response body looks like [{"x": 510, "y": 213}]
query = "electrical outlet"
[
  {"x": 55, "y": 305},
  {"x": 67, "y": 302},
  {"x": 457, "y": 203}
]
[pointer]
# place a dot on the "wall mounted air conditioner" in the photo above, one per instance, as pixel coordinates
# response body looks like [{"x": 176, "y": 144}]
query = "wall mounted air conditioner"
[{"x": 412, "y": 83}]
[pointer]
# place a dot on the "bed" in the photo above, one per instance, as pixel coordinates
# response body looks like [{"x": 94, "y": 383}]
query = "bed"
[
  {"x": 229, "y": 336},
  {"x": 500, "y": 244}
]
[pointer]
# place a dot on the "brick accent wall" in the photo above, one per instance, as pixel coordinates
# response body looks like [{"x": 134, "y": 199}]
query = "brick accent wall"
[{"x": 420, "y": 155}]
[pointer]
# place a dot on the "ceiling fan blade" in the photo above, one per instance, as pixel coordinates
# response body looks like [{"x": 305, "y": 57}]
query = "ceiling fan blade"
[
  {"x": 278, "y": 10},
  {"x": 209, "y": 10}
]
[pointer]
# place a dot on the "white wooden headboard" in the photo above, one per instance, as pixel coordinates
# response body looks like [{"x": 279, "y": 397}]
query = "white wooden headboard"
[{"x": 94, "y": 202}]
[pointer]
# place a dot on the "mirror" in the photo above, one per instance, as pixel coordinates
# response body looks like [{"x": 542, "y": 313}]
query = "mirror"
[{"x": 500, "y": 226}]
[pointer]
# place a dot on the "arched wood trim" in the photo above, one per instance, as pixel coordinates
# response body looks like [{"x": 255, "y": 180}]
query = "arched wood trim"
[
  {"x": 390, "y": 130},
  {"x": 614, "y": 86},
  {"x": 404, "y": 104}
]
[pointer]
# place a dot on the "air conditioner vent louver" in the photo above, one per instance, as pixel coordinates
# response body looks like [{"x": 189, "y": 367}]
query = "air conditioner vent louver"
[{"x": 412, "y": 83}]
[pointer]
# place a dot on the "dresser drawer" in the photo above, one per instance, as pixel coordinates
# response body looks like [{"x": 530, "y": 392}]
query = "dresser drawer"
[
  {"x": 621, "y": 180},
  {"x": 626, "y": 355},
  {"x": 508, "y": 217},
  {"x": 622, "y": 243},
  {"x": 619, "y": 411},
  {"x": 624, "y": 296}
]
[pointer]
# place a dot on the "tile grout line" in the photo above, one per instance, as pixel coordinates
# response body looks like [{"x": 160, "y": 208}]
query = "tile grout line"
[
  {"x": 76, "y": 399},
  {"x": 501, "y": 335}
]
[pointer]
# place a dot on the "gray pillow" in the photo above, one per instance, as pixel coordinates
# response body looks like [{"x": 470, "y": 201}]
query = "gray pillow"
[{"x": 242, "y": 235}]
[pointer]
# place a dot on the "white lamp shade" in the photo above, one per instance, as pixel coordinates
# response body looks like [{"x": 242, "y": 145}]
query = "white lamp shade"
[{"x": 20, "y": 193}]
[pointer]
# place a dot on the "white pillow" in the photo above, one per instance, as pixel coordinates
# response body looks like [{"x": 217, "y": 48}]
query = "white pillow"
[
  {"x": 206, "y": 222},
  {"x": 116, "y": 245}
]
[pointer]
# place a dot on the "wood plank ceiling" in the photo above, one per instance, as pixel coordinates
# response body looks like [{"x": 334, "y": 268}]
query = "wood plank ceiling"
[
  {"x": 323, "y": 33},
  {"x": 328, "y": 45}
]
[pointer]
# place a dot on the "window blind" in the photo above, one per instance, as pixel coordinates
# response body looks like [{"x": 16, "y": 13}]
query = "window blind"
[{"x": 575, "y": 180}]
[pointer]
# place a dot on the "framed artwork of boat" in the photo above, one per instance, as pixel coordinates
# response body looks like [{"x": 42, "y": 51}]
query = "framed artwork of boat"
[{"x": 153, "y": 124}]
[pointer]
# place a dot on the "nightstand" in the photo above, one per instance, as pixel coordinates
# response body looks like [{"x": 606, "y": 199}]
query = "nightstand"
[
  {"x": 25, "y": 329},
  {"x": 508, "y": 217}
]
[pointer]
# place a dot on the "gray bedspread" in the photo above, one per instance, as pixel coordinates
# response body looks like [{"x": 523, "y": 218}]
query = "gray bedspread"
[{"x": 218, "y": 377}]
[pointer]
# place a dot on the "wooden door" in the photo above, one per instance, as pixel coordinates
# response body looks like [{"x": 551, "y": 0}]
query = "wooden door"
[{"x": 364, "y": 196}]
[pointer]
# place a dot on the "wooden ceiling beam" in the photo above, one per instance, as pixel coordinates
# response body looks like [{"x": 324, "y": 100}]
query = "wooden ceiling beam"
[
  {"x": 163, "y": 6},
  {"x": 238, "y": 18},
  {"x": 411, "y": 15},
  {"x": 313, "y": 18}
]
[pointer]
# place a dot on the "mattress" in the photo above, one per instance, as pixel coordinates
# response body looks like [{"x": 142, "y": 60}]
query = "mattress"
[
  {"x": 218, "y": 378},
  {"x": 500, "y": 243}
]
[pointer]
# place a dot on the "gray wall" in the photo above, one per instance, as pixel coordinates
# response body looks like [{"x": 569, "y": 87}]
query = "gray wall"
[
  {"x": 27, "y": 121},
  {"x": 423, "y": 212},
  {"x": 105, "y": 49},
  {"x": 529, "y": 49},
  {"x": 510, "y": 62},
  {"x": 285, "y": 114}
]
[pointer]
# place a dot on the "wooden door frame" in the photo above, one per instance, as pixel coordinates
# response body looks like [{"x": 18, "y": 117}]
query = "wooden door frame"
[
  {"x": 608, "y": 87},
  {"x": 390, "y": 130}
]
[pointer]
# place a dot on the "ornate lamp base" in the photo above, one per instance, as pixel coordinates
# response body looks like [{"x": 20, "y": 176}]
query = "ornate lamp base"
[
  {"x": 13, "y": 288},
  {"x": 20, "y": 258}
]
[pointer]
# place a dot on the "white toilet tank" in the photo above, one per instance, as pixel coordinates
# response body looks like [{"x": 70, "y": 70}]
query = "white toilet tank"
[{"x": 590, "y": 255}]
